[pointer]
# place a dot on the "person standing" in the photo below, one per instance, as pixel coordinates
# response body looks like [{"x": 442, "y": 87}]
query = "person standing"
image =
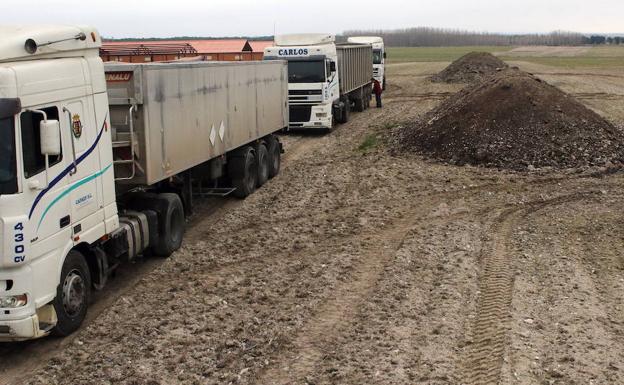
[{"x": 377, "y": 91}]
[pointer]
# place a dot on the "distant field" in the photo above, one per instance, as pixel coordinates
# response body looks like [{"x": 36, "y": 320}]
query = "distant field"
[
  {"x": 606, "y": 56},
  {"x": 433, "y": 54}
]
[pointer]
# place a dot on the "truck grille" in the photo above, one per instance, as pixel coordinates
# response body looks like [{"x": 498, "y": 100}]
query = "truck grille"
[
  {"x": 300, "y": 113},
  {"x": 305, "y": 92},
  {"x": 305, "y": 96}
]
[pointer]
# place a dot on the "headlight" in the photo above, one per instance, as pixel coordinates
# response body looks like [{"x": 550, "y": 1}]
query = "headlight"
[
  {"x": 13, "y": 301},
  {"x": 321, "y": 114}
]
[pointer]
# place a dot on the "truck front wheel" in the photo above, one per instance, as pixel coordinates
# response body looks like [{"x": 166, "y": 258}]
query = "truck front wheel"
[
  {"x": 346, "y": 109},
  {"x": 72, "y": 294}
]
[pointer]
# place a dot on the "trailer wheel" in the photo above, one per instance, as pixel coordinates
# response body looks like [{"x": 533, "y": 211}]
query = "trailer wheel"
[
  {"x": 72, "y": 294},
  {"x": 359, "y": 102},
  {"x": 244, "y": 171},
  {"x": 275, "y": 157},
  {"x": 263, "y": 164},
  {"x": 171, "y": 224}
]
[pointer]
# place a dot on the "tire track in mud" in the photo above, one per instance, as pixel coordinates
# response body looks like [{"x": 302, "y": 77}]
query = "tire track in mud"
[
  {"x": 299, "y": 356},
  {"x": 482, "y": 365},
  {"x": 307, "y": 347}
]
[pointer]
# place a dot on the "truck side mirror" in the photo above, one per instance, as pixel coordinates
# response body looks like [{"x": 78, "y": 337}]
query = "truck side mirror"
[
  {"x": 50, "y": 134},
  {"x": 385, "y": 56},
  {"x": 332, "y": 66}
]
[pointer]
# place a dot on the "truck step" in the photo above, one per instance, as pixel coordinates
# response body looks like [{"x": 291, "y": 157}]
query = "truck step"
[
  {"x": 215, "y": 192},
  {"x": 121, "y": 144}
]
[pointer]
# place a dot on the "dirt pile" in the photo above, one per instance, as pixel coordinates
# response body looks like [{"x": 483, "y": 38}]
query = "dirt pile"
[
  {"x": 516, "y": 121},
  {"x": 472, "y": 67}
]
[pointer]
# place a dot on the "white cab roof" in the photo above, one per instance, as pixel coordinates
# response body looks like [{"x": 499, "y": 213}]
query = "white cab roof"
[
  {"x": 365, "y": 39},
  {"x": 304, "y": 39},
  {"x": 13, "y": 39}
]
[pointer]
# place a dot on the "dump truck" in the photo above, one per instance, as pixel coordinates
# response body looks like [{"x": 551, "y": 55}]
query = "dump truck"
[
  {"x": 379, "y": 55},
  {"x": 325, "y": 80},
  {"x": 99, "y": 163}
]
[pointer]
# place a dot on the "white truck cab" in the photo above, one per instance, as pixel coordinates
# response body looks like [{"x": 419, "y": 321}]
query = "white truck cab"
[
  {"x": 313, "y": 83},
  {"x": 56, "y": 181},
  {"x": 325, "y": 80},
  {"x": 379, "y": 56}
]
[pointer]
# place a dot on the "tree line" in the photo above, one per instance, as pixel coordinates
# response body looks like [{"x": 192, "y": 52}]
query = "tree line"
[{"x": 437, "y": 37}]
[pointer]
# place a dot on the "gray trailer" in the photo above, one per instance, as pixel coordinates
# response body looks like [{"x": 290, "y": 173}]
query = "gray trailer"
[
  {"x": 168, "y": 118},
  {"x": 354, "y": 68},
  {"x": 355, "y": 72}
]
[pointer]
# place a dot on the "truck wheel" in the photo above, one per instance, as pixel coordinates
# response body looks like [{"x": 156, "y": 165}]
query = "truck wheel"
[
  {"x": 275, "y": 157},
  {"x": 244, "y": 171},
  {"x": 344, "y": 116},
  {"x": 171, "y": 224},
  {"x": 72, "y": 294},
  {"x": 263, "y": 164},
  {"x": 384, "y": 84}
]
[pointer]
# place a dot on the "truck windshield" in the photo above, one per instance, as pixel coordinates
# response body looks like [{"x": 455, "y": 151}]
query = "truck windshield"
[
  {"x": 377, "y": 56},
  {"x": 8, "y": 177},
  {"x": 306, "y": 71}
]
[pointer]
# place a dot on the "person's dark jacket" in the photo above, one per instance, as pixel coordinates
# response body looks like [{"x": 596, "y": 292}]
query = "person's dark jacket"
[{"x": 377, "y": 87}]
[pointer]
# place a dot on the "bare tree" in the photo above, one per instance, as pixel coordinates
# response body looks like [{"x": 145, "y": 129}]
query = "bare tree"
[{"x": 436, "y": 37}]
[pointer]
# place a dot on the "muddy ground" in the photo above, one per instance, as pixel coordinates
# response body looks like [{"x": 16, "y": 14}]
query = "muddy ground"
[{"x": 357, "y": 267}]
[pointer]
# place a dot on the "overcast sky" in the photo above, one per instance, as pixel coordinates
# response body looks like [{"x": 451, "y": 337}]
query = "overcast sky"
[{"x": 159, "y": 18}]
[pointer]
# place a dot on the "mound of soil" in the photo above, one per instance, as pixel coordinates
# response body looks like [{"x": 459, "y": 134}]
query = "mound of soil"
[
  {"x": 516, "y": 121},
  {"x": 472, "y": 67}
]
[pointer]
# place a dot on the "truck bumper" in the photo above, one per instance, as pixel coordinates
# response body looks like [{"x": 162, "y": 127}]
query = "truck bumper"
[
  {"x": 27, "y": 322},
  {"x": 320, "y": 117},
  {"x": 20, "y": 330}
]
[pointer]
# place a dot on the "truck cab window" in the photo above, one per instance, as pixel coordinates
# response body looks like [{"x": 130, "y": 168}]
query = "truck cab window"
[
  {"x": 8, "y": 178},
  {"x": 34, "y": 162},
  {"x": 306, "y": 71},
  {"x": 377, "y": 56}
]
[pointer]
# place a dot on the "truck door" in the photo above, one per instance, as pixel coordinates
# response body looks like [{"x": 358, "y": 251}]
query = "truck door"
[
  {"x": 79, "y": 122},
  {"x": 49, "y": 211}
]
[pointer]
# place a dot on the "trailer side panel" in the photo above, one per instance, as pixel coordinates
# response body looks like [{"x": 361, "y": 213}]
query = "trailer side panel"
[
  {"x": 355, "y": 68},
  {"x": 189, "y": 113}
]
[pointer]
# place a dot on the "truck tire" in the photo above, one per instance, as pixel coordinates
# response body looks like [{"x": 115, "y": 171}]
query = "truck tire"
[
  {"x": 244, "y": 172},
  {"x": 383, "y": 88},
  {"x": 152, "y": 220},
  {"x": 171, "y": 224},
  {"x": 263, "y": 164},
  {"x": 359, "y": 102},
  {"x": 275, "y": 157},
  {"x": 344, "y": 113},
  {"x": 72, "y": 294}
]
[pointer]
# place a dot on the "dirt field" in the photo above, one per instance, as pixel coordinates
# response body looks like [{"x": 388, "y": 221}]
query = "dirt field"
[{"x": 358, "y": 267}]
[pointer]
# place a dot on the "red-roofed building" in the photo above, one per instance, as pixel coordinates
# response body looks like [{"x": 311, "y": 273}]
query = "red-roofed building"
[
  {"x": 169, "y": 50},
  {"x": 260, "y": 45}
]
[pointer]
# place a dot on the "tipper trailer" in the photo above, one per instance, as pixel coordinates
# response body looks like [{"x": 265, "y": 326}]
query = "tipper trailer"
[
  {"x": 379, "y": 55},
  {"x": 325, "y": 80},
  {"x": 89, "y": 179}
]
